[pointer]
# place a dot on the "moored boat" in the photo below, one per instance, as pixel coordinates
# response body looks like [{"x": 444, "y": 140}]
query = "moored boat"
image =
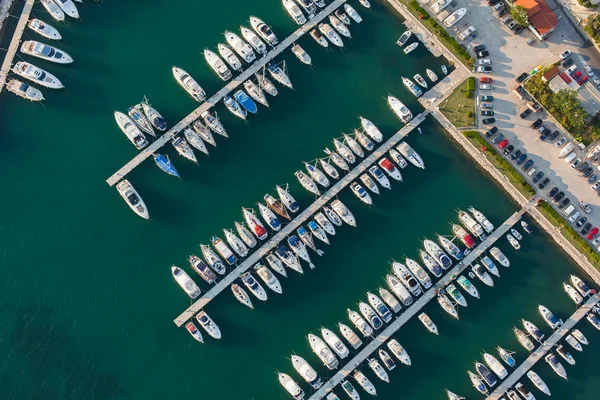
[
  {"x": 236, "y": 243},
  {"x": 307, "y": 182},
  {"x": 538, "y": 382},
  {"x": 332, "y": 216},
  {"x": 399, "y": 290},
  {"x": 245, "y": 101},
  {"x": 473, "y": 226},
  {"x": 495, "y": 365},
  {"x": 234, "y": 107},
  {"x": 507, "y": 357},
  {"x": 253, "y": 286},
  {"x": 352, "y": 13},
  {"x": 223, "y": 250},
  {"x": 319, "y": 38},
  {"x": 400, "y": 352},
  {"x": 369, "y": 183},
  {"x": 335, "y": 343},
  {"x": 265, "y": 274},
  {"x": 580, "y": 337},
  {"x": 217, "y": 65},
  {"x": 322, "y": 351},
  {"x": 294, "y": 11},
  {"x": 419, "y": 79},
  {"x": 53, "y": 9},
  {"x": 213, "y": 260},
  {"x": 431, "y": 75},
  {"x": 447, "y": 305},
  {"x": 418, "y": 272},
  {"x": 553, "y": 362},
  {"x": 37, "y": 75},
  {"x": 349, "y": 389},
  {"x": 478, "y": 383},
  {"x": 256, "y": 227},
  {"x": 301, "y": 54},
  {"x": 407, "y": 278},
  {"x": 482, "y": 274},
  {"x": 572, "y": 293},
  {"x": 376, "y": 173},
  {"x": 246, "y": 236},
  {"x": 411, "y": 155},
  {"x": 404, "y": 38},
  {"x": 154, "y": 116},
  {"x": 45, "y": 52},
  {"x": 189, "y": 84},
  {"x": 364, "y": 382},
  {"x": 371, "y": 130},
  {"x": 195, "y": 140},
  {"x": 380, "y": 308},
  {"x": 552, "y": 320},
  {"x": 486, "y": 374},
  {"x": 451, "y": 248},
  {"x": 299, "y": 248},
  {"x": 241, "y": 295},
  {"x": 399, "y": 109},
  {"x": 524, "y": 339},
  {"x": 580, "y": 286},
  {"x": 277, "y": 206},
  {"x": 317, "y": 231},
  {"x": 431, "y": 264},
  {"x": 263, "y": 30},
  {"x": 490, "y": 266},
  {"x": 255, "y": 92},
  {"x": 208, "y": 325},
  {"x": 133, "y": 133},
  {"x": 287, "y": 199},
  {"x": 390, "y": 169},
  {"x": 437, "y": 253},
  {"x": 202, "y": 269},
  {"x": 279, "y": 75},
  {"x": 254, "y": 41},
  {"x": 456, "y": 295},
  {"x": 464, "y": 236},
  {"x": 165, "y": 164},
  {"x": 185, "y": 282},
  {"x": 388, "y": 361},
  {"x": 290, "y": 386},
  {"x": 361, "y": 193},
  {"x": 306, "y": 371},
  {"x": 213, "y": 123},
  {"x": 565, "y": 355},
  {"x": 193, "y": 330},
  {"x": 276, "y": 264},
  {"x": 350, "y": 336},
  {"x": 479, "y": 217},
  {"x": 324, "y": 223},
  {"x": 337, "y": 159},
  {"x": 499, "y": 256},
  {"x": 229, "y": 56},
  {"x": 389, "y": 299},
  {"x": 330, "y": 34},
  {"x": 24, "y": 90},
  {"x": 410, "y": 48},
  {"x": 242, "y": 48},
  {"x": 184, "y": 149},
  {"x": 428, "y": 323},
  {"x": 378, "y": 370},
  {"x": 288, "y": 258},
  {"x": 464, "y": 282},
  {"x": 343, "y": 212},
  {"x": 339, "y": 26},
  {"x": 360, "y": 323},
  {"x": 269, "y": 217}
]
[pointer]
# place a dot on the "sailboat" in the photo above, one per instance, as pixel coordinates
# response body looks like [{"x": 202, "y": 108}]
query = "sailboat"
[
  {"x": 165, "y": 164},
  {"x": 269, "y": 217},
  {"x": 234, "y": 107},
  {"x": 276, "y": 206},
  {"x": 195, "y": 140},
  {"x": 276, "y": 264},
  {"x": 184, "y": 149},
  {"x": 213, "y": 123},
  {"x": 307, "y": 182},
  {"x": 279, "y": 75},
  {"x": 337, "y": 159},
  {"x": 329, "y": 169},
  {"x": 154, "y": 116},
  {"x": 287, "y": 199},
  {"x": 136, "y": 113},
  {"x": 204, "y": 132},
  {"x": 266, "y": 85},
  {"x": 241, "y": 295},
  {"x": 256, "y": 92},
  {"x": 254, "y": 223},
  {"x": 339, "y": 26},
  {"x": 236, "y": 243}
]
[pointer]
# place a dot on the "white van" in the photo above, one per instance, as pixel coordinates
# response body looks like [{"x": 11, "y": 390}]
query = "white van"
[
  {"x": 570, "y": 157},
  {"x": 574, "y": 217},
  {"x": 569, "y": 210},
  {"x": 531, "y": 172}
]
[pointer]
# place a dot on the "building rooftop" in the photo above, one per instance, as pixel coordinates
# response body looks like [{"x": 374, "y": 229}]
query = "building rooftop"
[{"x": 540, "y": 15}]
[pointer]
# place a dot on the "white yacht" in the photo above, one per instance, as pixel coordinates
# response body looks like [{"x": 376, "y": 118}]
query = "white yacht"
[
  {"x": 288, "y": 258},
  {"x": 317, "y": 175},
  {"x": 440, "y": 5},
  {"x": 428, "y": 323},
  {"x": 404, "y": 38},
  {"x": 495, "y": 365},
  {"x": 263, "y": 30},
  {"x": 287, "y": 199},
  {"x": 580, "y": 337},
  {"x": 329, "y": 169},
  {"x": 319, "y": 38},
  {"x": 276, "y": 264},
  {"x": 408, "y": 49},
  {"x": 342, "y": 211},
  {"x": 133, "y": 133},
  {"x": 189, "y": 84},
  {"x": 431, "y": 75},
  {"x": 390, "y": 169},
  {"x": 456, "y": 295},
  {"x": 524, "y": 339},
  {"x": 477, "y": 383},
  {"x": 45, "y": 52},
  {"x": 380, "y": 308},
  {"x": 307, "y": 372},
  {"x": 365, "y": 383},
  {"x": 533, "y": 330},
  {"x": 133, "y": 199},
  {"x": 136, "y": 113},
  {"x": 307, "y": 182},
  {"x": 538, "y": 382},
  {"x": 447, "y": 305},
  {"x": 234, "y": 107},
  {"x": 185, "y": 282},
  {"x": 269, "y": 217},
  {"x": 361, "y": 193},
  {"x": 380, "y": 177},
  {"x": 431, "y": 264},
  {"x": 217, "y": 65},
  {"x": 397, "y": 157},
  {"x": 318, "y": 232},
  {"x": 344, "y": 151},
  {"x": 471, "y": 224},
  {"x": 191, "y": 328},
  {"x": 290, "y": 386},
  {"x": 256, "y": 92},
  {"x": 499, "y": 256},
  {"x": 565, "y": 355},
  {"x": 338, "y": 160},
  {"x": 308, "y": 6},
  {"x": 265, "y": 84},
  {"x": 256, "y": 227},
  {"x": 399, "y": 351},
  {"x": 479, "y": 217},
  {"x": 523, "y": 391},
  {"x": 483, "y": 276},
  {"x": 44, "y": 29},
  {"x": 369, "y": 183},
  {"x": 573, "y": 294},
  {"x": 352, "y": 13},
  {"x": 325, "y": 223},
  {"x": 411, "y": 155},
  {"x": 241, "y": 295},
  {"x": 390, "y": 300},
  {"x": 332, "y": 216},
  {"x": 330, "y": 34},
  {"x": 437, "y": 253},
  {"x": 573, "y": 342},
  {"x": 419, "y": 272},
  {"x": 24, "y": 90},
  {"x": 239, "y": 46},
  {"x": 208, "y": 325},
  {"x": 183, "y": 148},
  {"x": 378, "y": 370},
  {"x": 558, "y": 368},
  {"x": 490, "y": 266},
  {"x": 387, "y": 360},
  {"x": 213, "y": 259},
  {"x": 360, "y": 323},
  {"x": 68, "y": 7},
  {"x": 301, "y": 54},
  {"x": 365, "y": 3},
  {"x": 580, "y": 286},
  {"x": 350, "y": 336},
  {"x": 455, "y": 17},
  {"x": 37, "y": 75},
  {"x": 229, "y": 57},
  {"x": 294, "y": 11},
  {"x": 254, "y": 287},
  {"x": 324, "y": 353},
  {"x": 399, "y": 290},
  {"x": 552, "y": 320},
  {"x": 195, "y": 140},
  {"x": 335, "y": 343},
  {"x": 254, "y": 41},
  {"x": 202, "y": 269},
  {"x": 399, "y": 109},
  {"x": 350, "y": 391},
  {"x": 245, "y": 234},
  {"x": 339, "y": 26},
  {"x": 268, "y": 278},
  {"x": 364, "y": 140},
  {"x": 53, "y": 9}
]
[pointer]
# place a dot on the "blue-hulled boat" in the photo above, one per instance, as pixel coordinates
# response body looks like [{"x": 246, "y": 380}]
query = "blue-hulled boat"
[
  {"x": 165, "y": 164},
  {"x": 245, "y": 101},
  {"x": 485, "y": 374}
]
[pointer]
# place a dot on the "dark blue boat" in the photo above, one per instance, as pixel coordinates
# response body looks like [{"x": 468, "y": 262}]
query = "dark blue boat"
[
  {"x": 165, "y": 164},
  {"x": 486, "y": 375},
  {"x": 245, "y": 101}
]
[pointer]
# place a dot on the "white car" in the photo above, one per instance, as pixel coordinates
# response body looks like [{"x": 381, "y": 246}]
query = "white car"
[
  {"x": 595, "y": 186},
  {"x": 588, "y": 69},
  {"x": 485, "y": 86},
  {"x": 562, "y": 141},
  {"x": 585, "y": 206},
  {"x": 597, "y": 82},
  {"x": 565, "y": 54},
  {"x": 596, "y": 241},
  {"x": 484, "y": 61}
]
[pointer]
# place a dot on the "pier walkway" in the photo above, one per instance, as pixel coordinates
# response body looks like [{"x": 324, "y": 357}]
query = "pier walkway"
[
  {"x": 299, "y": 220},
  {"x": 541, "y": 351},
  {"x": 13, "y": 47},
  {"x": 217, "y": 97},
  {"x": 421, "y": 302}
]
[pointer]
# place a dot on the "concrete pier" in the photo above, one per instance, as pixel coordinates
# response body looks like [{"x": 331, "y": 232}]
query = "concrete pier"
[
  {"x": 421, "y": 302},
  {"x": 299, "y": 220},
  {"x": 541, "y": 351},
  {"x": 13, "y": 47},
  {"x": 217, "y": 97}
]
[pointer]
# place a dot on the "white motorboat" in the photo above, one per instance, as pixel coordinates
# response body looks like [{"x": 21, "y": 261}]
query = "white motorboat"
[
  {"x": 68, "y": 7},
  {"x": 455, "y": 17},
  {"x": 279, "y": 75},
  {"x": 410, "y": 48},
  {"x": 579, "y": 336},
  {"x": 471, "y": 224},
  {"x": 378, "y": 370},
  {"x": 411, "y": 86},
  {"x": 306, "y": 371},
  {"x": 573, "y": 342},
  {"x": 387, "y": 360},
  {"x": 431, "y": 264},
  {"x": 290, "y": 386},
  {"x": 553, "y": 362},
  {"x": 268, "y": 278},
  {"x": 301, "y": 54},
  {"x": 341, "y": 15},
  {"x": 594, "y": 320},
  {"x": 42, "y": 28},
  {"x": 456, "y": 295},
  {"x": 234, "y": 107},
  {"x": 229, "y": 57},
  {"x": 324, "y": 353},
  {"x": 344, "y": 151},
  {"x": 580, "y": 286},
  {"x": 364, "y": 382},
  {"x": 343, "y": 212},
  {"x": 527, "y": 395},
  {"x": 236, "y": 243},
  {"x": 490, "y": 266},
  {"x": 379, "y": 176},
  {"x": 195, "y": 140},
  {"x": 136, "y": 113},
  {"x": 241, "y": 295},
  {"x": 325, "y": 223},
  {"x": 276, "y": 264},
  {"x": 37, "y": 75},
  {"x": 335, "y": 343},
  {"x": 153, "y": 116},
  {"x": 329, "y": 169},
  {"x": 360, "y": 323},
  {"x": 440, "y": 5},
  {"x": 263, "y": 30},
  {"x": 307, "y": 182},
  {"x": 495, "y": 365},
  {"x": 294, "y": 11},
  {"x": 339, "y": 26},
  {"x": 565, "y": 355},
  {"x": 538, "y": 382},
  {"x": 389, "y": 299},
  {"x": 320, "y": 3},
  {"x": 397, "y": 157},
  {"x": 217, "y": 65},
  {"x": 483, "y": 276},
  {"x": 451, "y": 248},
  {"x": 253, "y": 286},
  {"x": 516, "y": 234},
  {"x": 246, "y": 236},
  {"x": 132, "y": 198},
  {"x": 365, "y": 3},
  {"x": 265, "y": 84},
  {"x": 319, "y": 38},
  {"x": 399, "y": 109},
  {"x": 308, "y": 6},
  {"x": 524, "y": 339},
  {"x": 464, "y": 236},
  {"x": 404, "y": 38},
  {"x": 369, "y": 183},
  {"x": 352, "y": 13},
  {"x": 507, "y": 357},
  {"x": 390, "y": 169},
  {"x": 330, "y": 34},
  {"x": 202, "y": 269},
  {"x": 317, "y": 175},
  {"x": 370, "y": 315},
  {"x": 191, "y": 328},
  {"x": 464, "y": 282},
  {"x": 428, "y": 323},
  {"x": 213, "y": 259},
  {"x": 318, "y": 232},
  {"x": 185, "y": 282},
  {"x": 332, "y": 216},
  {"x": 399, "y": 290},
  {"x": 552, "y": 320},
  {"x": 256, "y": 227},
  {"x": 573, "y": 294},
  {"x": 242, "y": 48},
  {"x": 353, "y": 144},
  {"x": 350, "y": 336},
  {"x": 269, "y": 217},
  {"x": 350, "y": 391},
  {"x": 411, "y": 155},
  {"x": 208, "y": 325},
  {"x": 499, "y": 256},
  {"x": 45, "y": 52},
  {"x": 286, "y": 198},
  {"x": 213, "y": 123},
  {"x": 133, "y": 133},
  {"x": 183, "y": 148},
  {"x": 437, "y": 253},
  {"x": 371, "y": 130},
  {"x": 479, "y": 217},
  {"x": 337, "y": 159},
  {"x": 53, "y": 9},
  {"x": 420, "y": 80},
  {"x": 361, "y": 193},
  {"x": 478, "y": 383},
  {"x": 288, "y": 258},
  {"x": 447, "y": 305},
  {"x": 399, "y": 351},
  {"x": 364, "y": 140},
  {"x": 189, "y": 84},
  {"x": 254, "y": 41},
  {"x": 486, "y": 374},
  {"x": 419, "y": 273},
  {"x": 256, "y": 92},
  {"x": 24, "y": 90},
  {"x": 380, "y": 308},
  {"x": 431, "y": 75}
]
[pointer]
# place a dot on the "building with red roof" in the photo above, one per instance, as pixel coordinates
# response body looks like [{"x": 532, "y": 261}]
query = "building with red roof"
[{"x": 542, "y": 19}]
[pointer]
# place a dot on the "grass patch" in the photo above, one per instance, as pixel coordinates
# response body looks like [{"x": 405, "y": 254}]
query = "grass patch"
[
  {"x": 500, "y": 163},
  {"x": 431, "y": 24},
  {"x": 459, "y": 107},
  {"x": 569, "y": 233}
]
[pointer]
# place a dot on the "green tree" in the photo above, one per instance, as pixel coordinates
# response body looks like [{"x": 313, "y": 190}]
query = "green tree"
[
  {"x": 573, "y": 115},
  {"x": 519, "y": 14}
]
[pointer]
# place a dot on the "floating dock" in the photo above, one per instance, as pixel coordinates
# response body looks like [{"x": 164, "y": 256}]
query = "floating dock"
[
  {"x": 13, "y": 47},
  {"x": 541, "y": 351},
  {"x": 420, "y": 302},
  {"x": 299, "y": 220},
  {"x": 217, "y": 97}
]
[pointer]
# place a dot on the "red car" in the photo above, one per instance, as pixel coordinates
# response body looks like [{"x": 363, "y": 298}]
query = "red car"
[
  {"x": 592, "y": 233},
  {"x": 503, "y": 144},
  {"x": 485, "y": 79},
  {"x": 576, "y": 74}
]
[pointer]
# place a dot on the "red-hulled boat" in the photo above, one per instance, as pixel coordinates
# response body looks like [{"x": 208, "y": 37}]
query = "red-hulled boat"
[
  {"x": 464, "y": 236},
  {"x": 254, "y": 224}
]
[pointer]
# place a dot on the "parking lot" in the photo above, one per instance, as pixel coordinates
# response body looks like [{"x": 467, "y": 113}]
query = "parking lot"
[{"x": 510, "y": 55}]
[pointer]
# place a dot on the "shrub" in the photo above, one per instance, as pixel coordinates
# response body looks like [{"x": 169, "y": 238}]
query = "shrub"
[{"x": 586, "y": 3}]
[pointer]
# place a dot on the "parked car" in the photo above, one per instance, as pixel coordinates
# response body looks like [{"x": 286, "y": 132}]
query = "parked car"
[
  {"x": 537, "y": 177},
  {"x": 487, "y": 106},
  {"x": 558, "y": 197},
  {"x": 592, "y": 233},
  {"x": 541, "y": 128},
  {"x": 544, "y": 183},
  {"x": 536, "y": 123},
  {"x": 576, "y": 163},
  {"x": 501, "y": 12},
  {"x": 585, "y": 207},
  {"x": 504, "y": 143},
  {"x": 588, "y": 69},
  {"x": 508, "y": 149},
  {"x": 485, "y": 86},
  {"x": 481, "y": 54},
  {"x": 586, "y": 228},
  {"x": 484, "y": 68},
  {"x": 527, "y": 165},
  {"x": 553, "y": 192},
  {"x": 487, "y": 98},
  {"x": 595, "y": 186},
  {"x": 553, "y": 135},
  {"x": 525, "y": 113},
  {"x": 516, "y": 154},
  {"x": 584, "y": 165},
  {"x": 563, "y": 203},
  {"x": 498, "y": 138},
  {"x": 521, "y": 159},
  {"x": 487, "y": 113},
  {"x": 592, "y": 178},
  {"x": 518, "y": 30},
  {"x": 478, "y": 48},
  {"x": 565, "y": 54},
  {"x": 491, "y": 132},
  {"x": 567, "y": 63},
  {"x": 597, "y": 82},
  {"x": 485, "y": 79},
  {"x": 492, "y": 2},
  {"x": 488, "y": 121},
  {"x": 580, "y": 223},
  {"x": 498, "y": 6},
  {"x": 588, "y": 172},
  {"x": 507, "y": 20},
  {"x": 512, "y": 25},
  {"x": 484, "y": 61},
  {"x": 521, "y": 77},
  {"x": 561, "y": 141},
  {"x": 545, "y": 133}
]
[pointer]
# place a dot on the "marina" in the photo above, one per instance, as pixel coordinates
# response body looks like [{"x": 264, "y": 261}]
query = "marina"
[{"x": 225, "y": 91}]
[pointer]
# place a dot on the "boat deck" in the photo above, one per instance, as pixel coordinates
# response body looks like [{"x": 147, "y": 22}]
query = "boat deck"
[
  {"x": 13, "y": 47},
  {"x": 299, "y": 220},
  {"x": 410, "y": 312},
  {"x": 541, "y": 351},
  {"x": 217, "y": 97}
]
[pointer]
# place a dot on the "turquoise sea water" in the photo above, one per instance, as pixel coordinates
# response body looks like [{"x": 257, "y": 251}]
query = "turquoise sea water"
[{"x": 87, "y": 296}]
